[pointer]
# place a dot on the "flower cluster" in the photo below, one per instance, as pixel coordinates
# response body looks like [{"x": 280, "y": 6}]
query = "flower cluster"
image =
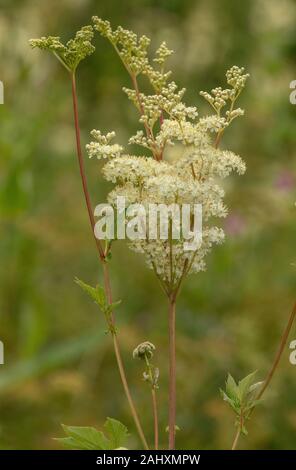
[
  {"x": 143, "y": 350},
  {"x": 219, "y": 97},
  {"x": 162, "y": 53},
  {"x": 101, "y": 147},
  {"x": 132, "y": 50},
  {"x": 73, "y": 51},
  {"x": 185, "y": 163}
]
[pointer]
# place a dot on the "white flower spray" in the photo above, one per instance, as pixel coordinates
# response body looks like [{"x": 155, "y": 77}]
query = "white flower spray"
[{"x": 184, "y": 166}]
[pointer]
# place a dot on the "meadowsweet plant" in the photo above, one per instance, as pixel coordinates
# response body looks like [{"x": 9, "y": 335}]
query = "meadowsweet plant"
[
  {"x": 175, "y": 160},
  {"x": 184, "y": 165},
  {"x": 188, "y": 174}
]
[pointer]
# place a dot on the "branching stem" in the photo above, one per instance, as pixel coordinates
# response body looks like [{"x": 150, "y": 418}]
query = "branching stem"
[{"x": 107, "y": 284}]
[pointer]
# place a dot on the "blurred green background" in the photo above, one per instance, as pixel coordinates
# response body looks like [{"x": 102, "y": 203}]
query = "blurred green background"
[{"x": 59, "y": 364}]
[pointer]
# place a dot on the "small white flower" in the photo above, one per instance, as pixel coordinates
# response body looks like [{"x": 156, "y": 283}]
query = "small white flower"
[
  {"x": 101, "y": 147},
  {"x": 191, "y": 175}
]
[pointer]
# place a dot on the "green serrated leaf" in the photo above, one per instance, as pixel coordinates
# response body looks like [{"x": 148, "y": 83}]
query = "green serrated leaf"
[
  {"x": 99, "y": 296},
  {"x": 112, "y": 306},
  {"x": 252, "y": 404},
  {"x": 244, "y": 385},
  {"x": 117, "y": 432},
  {"x": 96, "y": 293},
  {"x": 231, "y": 388},
  {"x": 176, "y": 428},
  {"x": 244, "y": 430},
  {"x": 254, "y": 388},
  {"x": 230, "y": 401},
  {"x": 89, "y": 438},
  {"x": 69, "y": 443},
  {"x": 84, "y": 437}
]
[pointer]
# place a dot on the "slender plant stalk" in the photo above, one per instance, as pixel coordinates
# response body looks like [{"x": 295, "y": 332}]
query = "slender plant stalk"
[
  {"x": 172, "y": 373},
  {"x": 155, "y": 417},
  {"x": 236, "y": 438},
  {"x": 279, "y": 353},
  {"x": 81, "y": 166},
  {"x": 274, "y": 365},
  {"x": 218, "y": 139},
  {"x": 119, "y": 359},
  {"x": 238, "y": 432},
  {"x": 154, "y": 401},
  {"x": 107, "y": 284}
]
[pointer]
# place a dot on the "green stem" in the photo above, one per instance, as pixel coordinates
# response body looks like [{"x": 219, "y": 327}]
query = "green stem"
[
  {"x": 102, "y": 259},
  {"x": 236, "y": 438},
  {"x": 172, "y": 372},
  {"x": 155, "y": 417},
  {"x": 154, "y": 402},
  {"x": 279, "y": 353}
]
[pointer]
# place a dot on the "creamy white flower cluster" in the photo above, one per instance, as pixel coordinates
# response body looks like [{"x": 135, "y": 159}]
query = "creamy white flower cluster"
[
  {"x": 132, "y": 50},
  {"x": 191, "y": 179},
  {"x": 219, "y": 97},
  {"x": 185, "y": 163},
  {"x": 101, "y": 148},
  {"x": 162, "y": 53}
]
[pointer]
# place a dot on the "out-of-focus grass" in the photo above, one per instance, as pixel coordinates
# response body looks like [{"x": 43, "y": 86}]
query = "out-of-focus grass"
[{"x": 229, "y": 318}]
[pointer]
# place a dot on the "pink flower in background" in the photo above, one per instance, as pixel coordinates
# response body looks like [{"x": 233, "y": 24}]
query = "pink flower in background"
[
  {"x": 285, "y": 181},
  {"x": 234, "y": 224}
]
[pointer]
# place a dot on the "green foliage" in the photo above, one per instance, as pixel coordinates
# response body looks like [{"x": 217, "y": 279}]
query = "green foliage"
[
  {"x": 176, "y": 428},
  {"x": 89, "y": 438},
  {"x": 117, "y": 431},
  {"x": 99, "y": 296},
  {"x": 241, "y": 397}
]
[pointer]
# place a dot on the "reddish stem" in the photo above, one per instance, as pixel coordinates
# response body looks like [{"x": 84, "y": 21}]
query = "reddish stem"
[
  {"x": 279, "y": 353},
  {"x": 103, "y": 260},
  {"x": 172, "y": 372},
  {"x": 81, "y": 166},
  {"x": 155, "y": 417}
]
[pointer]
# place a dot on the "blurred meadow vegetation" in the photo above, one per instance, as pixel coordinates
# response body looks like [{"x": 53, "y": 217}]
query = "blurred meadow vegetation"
[{"x": 59, "y": 365}]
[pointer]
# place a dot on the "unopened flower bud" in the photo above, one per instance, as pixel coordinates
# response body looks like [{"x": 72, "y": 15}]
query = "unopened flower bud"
[{"x": 143, "y": 350}]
